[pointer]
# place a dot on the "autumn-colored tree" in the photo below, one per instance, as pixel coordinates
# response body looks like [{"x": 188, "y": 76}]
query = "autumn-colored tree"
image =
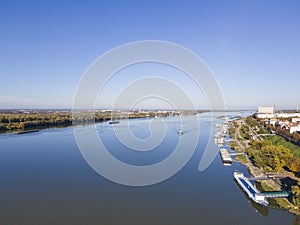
[
  {"x": 275, "y": 157},
  {"x": 256, "y": 144},
  {"x": 277, "y": 164},
  {"x": 296, "y": 195},
  {"x": 293, "y": 164}
]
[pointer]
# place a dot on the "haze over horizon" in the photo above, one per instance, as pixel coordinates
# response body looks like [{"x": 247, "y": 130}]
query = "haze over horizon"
[{"x": 251, "y": 47}]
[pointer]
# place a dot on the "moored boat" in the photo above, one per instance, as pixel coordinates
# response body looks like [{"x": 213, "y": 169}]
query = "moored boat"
[{"x": 251, "y": 191}]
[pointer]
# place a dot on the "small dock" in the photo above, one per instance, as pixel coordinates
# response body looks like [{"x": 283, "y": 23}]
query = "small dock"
[
  {"x": 113, "y": 122},
  {"x": 27, "y": 131},
  {"x": 226, "y": 158}
]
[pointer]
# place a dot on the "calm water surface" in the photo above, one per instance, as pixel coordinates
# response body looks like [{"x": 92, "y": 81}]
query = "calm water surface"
[{"x": 45, "y": 180}]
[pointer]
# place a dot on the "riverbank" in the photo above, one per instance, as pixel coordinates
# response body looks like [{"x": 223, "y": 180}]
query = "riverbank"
[{"x": 242, "y": 145}]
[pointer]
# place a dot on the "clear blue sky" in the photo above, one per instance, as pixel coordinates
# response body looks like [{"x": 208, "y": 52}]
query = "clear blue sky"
[{"x": 253, "y": 47}]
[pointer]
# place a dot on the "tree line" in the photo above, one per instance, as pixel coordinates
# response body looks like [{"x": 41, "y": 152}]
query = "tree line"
[
  {"x": 22, "y": 121},
  {"x": 272, "y": 158}
]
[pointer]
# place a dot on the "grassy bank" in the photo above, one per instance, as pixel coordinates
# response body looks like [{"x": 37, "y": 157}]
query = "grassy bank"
[
  {"x": 242, "y": 158},
  {"x": 280, "y": 141}
]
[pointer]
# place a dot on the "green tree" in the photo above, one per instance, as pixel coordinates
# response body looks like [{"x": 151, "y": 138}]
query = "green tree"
[{"x": 296, "y": 137}]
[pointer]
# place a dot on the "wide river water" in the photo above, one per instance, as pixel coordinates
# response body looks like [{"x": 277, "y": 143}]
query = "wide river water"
[{"x": 44, "y": 179}]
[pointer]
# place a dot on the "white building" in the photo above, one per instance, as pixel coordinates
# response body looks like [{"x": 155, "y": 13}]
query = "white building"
[
  {"x": 287, "y": 115},
  {"x": 294, "y": 129},
  {"x": 266, "y": 112}
]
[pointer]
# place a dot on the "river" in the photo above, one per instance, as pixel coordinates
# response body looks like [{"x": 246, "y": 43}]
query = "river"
[{"x": 45, "y": 180}]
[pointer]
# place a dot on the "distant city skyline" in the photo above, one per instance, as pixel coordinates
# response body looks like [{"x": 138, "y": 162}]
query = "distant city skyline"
[{"x": 252, "y": 48}]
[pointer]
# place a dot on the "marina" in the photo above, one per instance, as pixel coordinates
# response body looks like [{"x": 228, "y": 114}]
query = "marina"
[
  {"x": 244, "y": 183},
  {"x": 260, "y": 198}
]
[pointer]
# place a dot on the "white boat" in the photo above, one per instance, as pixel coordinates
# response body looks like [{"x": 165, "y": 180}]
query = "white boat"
[{"x": 251, "y": 191}]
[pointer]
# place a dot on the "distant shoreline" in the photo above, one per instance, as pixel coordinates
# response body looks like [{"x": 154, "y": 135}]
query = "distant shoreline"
[{"x": 24, "y": 121}]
